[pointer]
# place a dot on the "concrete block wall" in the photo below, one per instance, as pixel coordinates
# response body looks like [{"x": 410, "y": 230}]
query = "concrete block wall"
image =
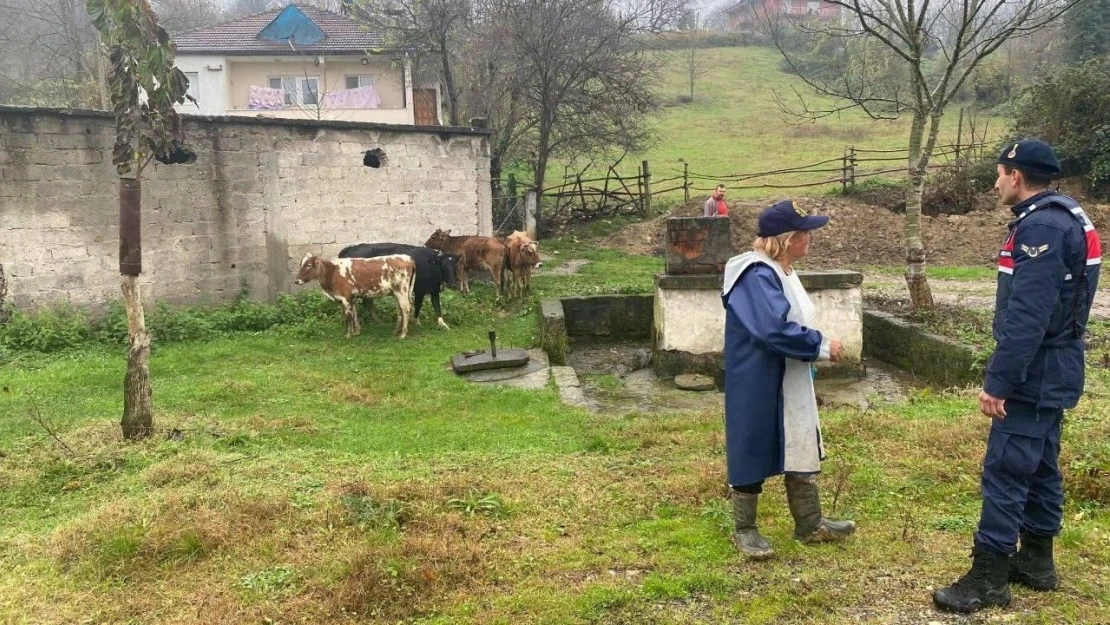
[
  {"x": 261, "y": 194},
  {"x": 689, "y": 319}
]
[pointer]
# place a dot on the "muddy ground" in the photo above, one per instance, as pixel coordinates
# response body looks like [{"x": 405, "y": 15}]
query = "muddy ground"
[{"x": 860, "y": 233}]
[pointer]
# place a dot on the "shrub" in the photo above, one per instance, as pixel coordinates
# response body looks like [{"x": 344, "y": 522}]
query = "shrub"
[
  {"x": 65, "y": 327},
  {"x": 1070, "y": 109}
]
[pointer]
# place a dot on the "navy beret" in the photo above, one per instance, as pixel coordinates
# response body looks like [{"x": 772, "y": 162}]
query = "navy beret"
[
  {"x": 1031, "y": 155},
  {"x": 782, "y": 217}
]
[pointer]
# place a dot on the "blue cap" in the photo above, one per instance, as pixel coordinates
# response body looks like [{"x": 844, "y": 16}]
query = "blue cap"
[
  {"x": 783, "y": 217},
  {"x": 1031, "y": 155}
]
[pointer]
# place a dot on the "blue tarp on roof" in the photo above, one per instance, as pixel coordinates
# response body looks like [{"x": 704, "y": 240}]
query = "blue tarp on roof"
[{"x": 291, "y": 23}]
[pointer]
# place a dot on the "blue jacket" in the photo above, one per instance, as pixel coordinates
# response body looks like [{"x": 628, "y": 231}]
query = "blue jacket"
[
  {"x": 1048, "y": 272},
  {"x": 758, "y": 340}
]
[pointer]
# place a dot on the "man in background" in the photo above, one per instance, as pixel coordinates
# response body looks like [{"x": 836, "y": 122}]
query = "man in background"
[{"x": 715, "y": 206}]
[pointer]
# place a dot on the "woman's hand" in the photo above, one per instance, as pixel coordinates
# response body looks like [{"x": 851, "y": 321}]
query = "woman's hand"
[{"x": 836, "y": 350}]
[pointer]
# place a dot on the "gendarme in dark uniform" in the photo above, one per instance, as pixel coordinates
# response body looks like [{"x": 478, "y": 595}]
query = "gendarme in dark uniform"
[{"x": 1048, "y": 271}]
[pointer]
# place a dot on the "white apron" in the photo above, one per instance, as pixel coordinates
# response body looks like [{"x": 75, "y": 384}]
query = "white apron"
[{"x": 804, "y": 446}]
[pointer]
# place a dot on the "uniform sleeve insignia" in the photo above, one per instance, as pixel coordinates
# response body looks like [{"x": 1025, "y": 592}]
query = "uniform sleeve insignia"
[
  {"x": 1033, "y": 252},
  {"x": 1013, "y": 152}
]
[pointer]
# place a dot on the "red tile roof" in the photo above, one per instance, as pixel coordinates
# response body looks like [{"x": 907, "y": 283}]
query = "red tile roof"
[{"x": 342, "y": 35}]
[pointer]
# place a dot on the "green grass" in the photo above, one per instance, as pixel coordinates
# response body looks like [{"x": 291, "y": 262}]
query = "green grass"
[
  {"x": 734, "y": 125},
  {"x": 319, "y": 479},
  {"x": 942, "y": 272}
]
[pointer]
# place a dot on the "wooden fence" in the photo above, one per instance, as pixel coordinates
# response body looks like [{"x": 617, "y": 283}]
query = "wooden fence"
[{"x": 578, "y": 197}]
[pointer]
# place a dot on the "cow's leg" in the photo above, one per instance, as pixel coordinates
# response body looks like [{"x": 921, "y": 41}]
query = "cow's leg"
[
  {"x": 404, "y": 309},
  {"x": 418, "y": 301},
  {"x": 439, "y": 313},
  {"x": 350, "y": 315},
  {"x": 373, "y": 311},
  {"x": 464, "y": 285}
]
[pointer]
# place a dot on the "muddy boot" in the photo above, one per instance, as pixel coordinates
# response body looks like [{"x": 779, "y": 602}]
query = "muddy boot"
[
  {"x": 747, "y": 537},
  {"x": 1032, "y": 566},
  {"x": 805, "y": 506},
  {"x": 983, "y": 586}
]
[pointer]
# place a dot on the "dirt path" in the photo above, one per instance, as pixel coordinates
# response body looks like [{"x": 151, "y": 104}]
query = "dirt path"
[{"x": 975, "y": 294}]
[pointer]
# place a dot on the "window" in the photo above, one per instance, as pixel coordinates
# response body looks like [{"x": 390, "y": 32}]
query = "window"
[
  {"x": 194, "y": 85},
  {"x": 298, "y": 90},
  {"x": 360, "y": 80}
]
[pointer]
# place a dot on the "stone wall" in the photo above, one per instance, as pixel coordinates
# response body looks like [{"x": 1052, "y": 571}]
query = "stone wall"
[
  {"x": 261, "y": 194},
  {"x": 690, "y": 320},
  {"x": 928, "y": 356}
]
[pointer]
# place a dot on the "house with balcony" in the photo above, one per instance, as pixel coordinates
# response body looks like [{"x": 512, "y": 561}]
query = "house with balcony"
[
  {"x": 746, "y": 15},
  {"x": 302, "y": 62}
]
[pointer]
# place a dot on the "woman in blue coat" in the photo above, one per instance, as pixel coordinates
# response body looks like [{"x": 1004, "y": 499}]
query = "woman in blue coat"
[{"x": 771, "y": 422}]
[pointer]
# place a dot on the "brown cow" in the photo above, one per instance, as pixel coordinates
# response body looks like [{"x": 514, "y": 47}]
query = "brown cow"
[
  {"x": 473, "y": 252},
  {"x": 523, "y": 254},
  {"x": 347, "y": 278}
]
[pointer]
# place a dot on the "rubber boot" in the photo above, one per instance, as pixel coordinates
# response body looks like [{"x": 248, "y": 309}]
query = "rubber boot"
[
  {"x": 805, "y": 506},
  {"x": 746, "y": 537},
  {"x": 1033, "y": 566},
  {"x": 985, "y": 585}
]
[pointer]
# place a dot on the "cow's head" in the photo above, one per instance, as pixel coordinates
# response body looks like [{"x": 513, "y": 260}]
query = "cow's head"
[
  {"x": 448, "y": 269},
  {"x": 530, "y": 255},
  {"x": 438, "y": 239},
  {"x": 309, "y": 271}
]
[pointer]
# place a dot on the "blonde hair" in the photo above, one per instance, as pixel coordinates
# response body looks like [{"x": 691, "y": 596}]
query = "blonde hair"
[{"x": 775, "y": 246}]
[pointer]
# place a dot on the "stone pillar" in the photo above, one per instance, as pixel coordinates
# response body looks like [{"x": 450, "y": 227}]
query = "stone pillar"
[{"x": 698, "y": 245}]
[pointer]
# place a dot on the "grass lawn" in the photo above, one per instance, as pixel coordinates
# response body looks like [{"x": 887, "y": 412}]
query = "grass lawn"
[
  {"x": 734, "y": 126},
  {"x": 299, "y": 477}
]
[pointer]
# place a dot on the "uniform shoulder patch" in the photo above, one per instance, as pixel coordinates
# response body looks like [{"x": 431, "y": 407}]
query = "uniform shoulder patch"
[{"x": 1034, "y": 250}]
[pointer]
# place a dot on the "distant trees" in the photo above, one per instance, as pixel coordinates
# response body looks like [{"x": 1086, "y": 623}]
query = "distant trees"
[{"x": 1087, "y": 31}]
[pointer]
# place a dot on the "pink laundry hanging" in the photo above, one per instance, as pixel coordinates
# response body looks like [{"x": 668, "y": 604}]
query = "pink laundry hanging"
[{"x": 266, "y": 98}]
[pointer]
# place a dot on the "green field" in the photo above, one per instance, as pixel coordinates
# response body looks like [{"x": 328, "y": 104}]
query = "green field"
[
  {"x": 298, "y": 477},
  {"x": 735, "y": 126}
]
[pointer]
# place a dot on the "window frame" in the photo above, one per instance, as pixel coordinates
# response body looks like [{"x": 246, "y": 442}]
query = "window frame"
[
  {"x": 194, "y": 85},
  {"x": 358, "y": 80},
  {"x": 300, "y": 86}
]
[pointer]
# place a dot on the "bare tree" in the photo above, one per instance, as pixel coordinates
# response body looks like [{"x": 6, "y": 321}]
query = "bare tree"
[
  {"x": 51, "y": 54},
  {"x": 181, "y": 15},
  {"x": 429, "y": 28},
  {"x": 939, "y": 44},
  {"x": 694, "y": 54},
  {"x": 582, "y": 75}
]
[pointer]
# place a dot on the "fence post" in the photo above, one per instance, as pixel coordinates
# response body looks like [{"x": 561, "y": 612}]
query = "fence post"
[
  {"x": 844, "y": 172},
  {"x": 852, "y": 162},
  {"x": 647, "y": 189},
  {"x": 959, "y": 133},
  {"x": 686, "y": 182},
  {"x": 530, "y": 214}
]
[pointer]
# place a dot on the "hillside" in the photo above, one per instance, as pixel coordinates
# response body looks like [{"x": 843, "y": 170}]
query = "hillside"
[{"x": 735, "y": 126}]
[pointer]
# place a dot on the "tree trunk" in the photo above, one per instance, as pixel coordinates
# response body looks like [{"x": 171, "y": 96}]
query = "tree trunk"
[
  {"x": 917, "y": 283},
  {"x": 138, "y": 409},
  {"x": 3, "y": 295},
  {"x": 449, "y": 83}
]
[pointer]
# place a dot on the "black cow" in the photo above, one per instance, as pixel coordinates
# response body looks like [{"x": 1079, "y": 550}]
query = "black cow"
[{"x": 433, "y": 269}]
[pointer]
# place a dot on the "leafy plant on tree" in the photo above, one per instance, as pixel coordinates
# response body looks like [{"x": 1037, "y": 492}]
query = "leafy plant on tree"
[{"x": 143, "y": 87}]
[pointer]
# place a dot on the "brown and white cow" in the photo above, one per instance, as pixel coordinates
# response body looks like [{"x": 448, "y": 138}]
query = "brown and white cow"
[
  {"x": 345, "y": 279},
  {"x": 473, "y": 252},
  {"x": 523, "y": 255}
]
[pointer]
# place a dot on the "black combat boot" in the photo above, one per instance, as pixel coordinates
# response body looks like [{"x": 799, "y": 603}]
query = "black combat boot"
[
  {"x": 747, "y": 537},
  {"x": 986, "y": 584},
  {"x": 1032, "y": 566},
  {"x": 805, "y": 506}
]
